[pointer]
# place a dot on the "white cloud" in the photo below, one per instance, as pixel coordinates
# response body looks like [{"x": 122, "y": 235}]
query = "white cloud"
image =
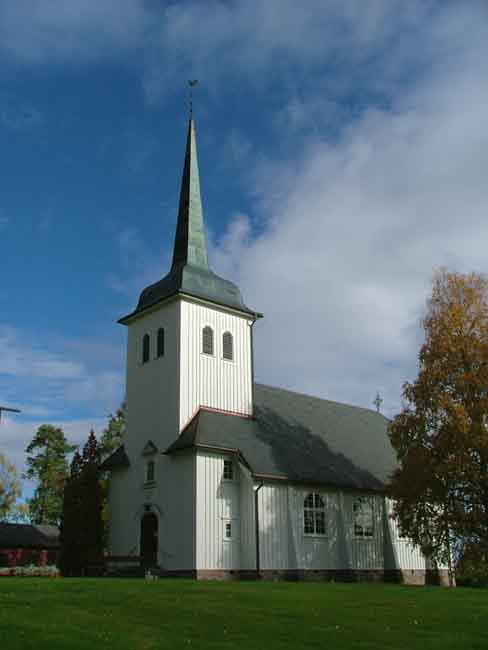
[
  {"x": 351, "y": 226},
  {"x": 354, "y": 228},
  {"x": 140, "y": 266},
  {"x": 75, "y": 379},
  {"x": 56, "y": 31},
  {"x": 19, "y": 358}
]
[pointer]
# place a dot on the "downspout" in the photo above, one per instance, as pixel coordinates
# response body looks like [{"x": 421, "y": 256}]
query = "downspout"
[
  {"x": 252, "y": 366},
  {"x": 251, "y": 325},
  {"x": 256, "y": 522}
]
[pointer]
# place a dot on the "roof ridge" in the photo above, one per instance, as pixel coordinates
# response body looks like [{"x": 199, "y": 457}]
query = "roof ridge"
[{"x": 320, "y": 399}]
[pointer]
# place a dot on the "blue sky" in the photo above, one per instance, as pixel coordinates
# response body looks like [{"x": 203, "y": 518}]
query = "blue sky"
[{"x": 343, "y": 156}]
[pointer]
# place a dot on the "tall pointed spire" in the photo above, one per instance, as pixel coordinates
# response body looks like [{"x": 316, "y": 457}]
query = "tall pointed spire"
[
  {"x": 190, "y": 273},
  {"x": 190, "y": 244}
]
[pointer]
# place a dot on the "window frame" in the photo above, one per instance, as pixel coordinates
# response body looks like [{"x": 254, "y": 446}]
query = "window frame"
[
  {"x": 316, "y": 512},
  {"x": 207, "y": 328},
  {"x": 146, "y": 351},
  {"x": 160, "y": 343},
  {"x": 228, "y": 526},
  {"x": 150, "y": 465},
  {"x": 230, "y": 358},
  {"x": 228, "y": 462},
  {"x": 362, "y": 536}
]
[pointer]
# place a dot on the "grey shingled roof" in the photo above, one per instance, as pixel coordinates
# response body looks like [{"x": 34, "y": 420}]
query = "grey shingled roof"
[
  {"x": 28, "y": 536},
  {"x": 301, "y": 438},
  {"x": 116, "y": 459}
]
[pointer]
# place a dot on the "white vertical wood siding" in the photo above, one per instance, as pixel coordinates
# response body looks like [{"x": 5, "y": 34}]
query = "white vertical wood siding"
[
  {"x": 403, "y": 554},
  {"x": 176, "y": 498},
  {"x": 283, "y": 544},
  {"x": 153, "y": 414},
  {"x": 218, "y": 502},
  {"x": 247, "y": 519},
  {"x": 152, "y": 387},
  {"x": 211, "y": 380}
]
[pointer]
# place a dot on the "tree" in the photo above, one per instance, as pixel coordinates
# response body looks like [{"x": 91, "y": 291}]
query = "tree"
[
  {"x": 441, "y": 438},
  {"x": 10, "y": 489},
  {"x": 112, "y": 435},
  {"x": 47, "y": 464},
  {"x": 82, "y": 528}
]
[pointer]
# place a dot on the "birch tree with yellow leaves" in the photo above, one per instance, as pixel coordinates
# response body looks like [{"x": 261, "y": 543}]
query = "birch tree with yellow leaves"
[{"x": 440, "y": 488}]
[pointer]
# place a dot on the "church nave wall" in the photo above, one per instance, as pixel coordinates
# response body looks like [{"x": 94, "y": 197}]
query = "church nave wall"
[
  {"x": 284, "y": 545},
  {"x": 218, "y": 506}
]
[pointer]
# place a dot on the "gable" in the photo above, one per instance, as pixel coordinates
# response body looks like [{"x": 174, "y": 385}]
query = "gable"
[{"x": 149, "y": 449}]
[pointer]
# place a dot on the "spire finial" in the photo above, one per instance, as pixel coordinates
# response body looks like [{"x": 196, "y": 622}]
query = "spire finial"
[{"x": 192, "y": 83}]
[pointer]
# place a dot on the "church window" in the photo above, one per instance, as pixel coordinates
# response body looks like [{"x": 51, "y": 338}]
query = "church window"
[
  {"x": 227, "y": 346},
  {"x": 228, "y": 470},
  {"x": 161, "y": 342},
  {"x": 207, "y": 340},
  {"x": 362, "y": 510},
  {"x": 313, "y": 515},
  {"x": 150, "y": 471},
  {"x": 228, "y": 530},
  {"x": 145, "y": 348}
]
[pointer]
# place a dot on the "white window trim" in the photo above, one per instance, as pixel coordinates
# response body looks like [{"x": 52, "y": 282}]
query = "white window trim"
[
  {"x": 156, "y": 355},
  {"x": 149, "y": 482},
  {"x": 207, "y": 355},
  {"x": 326, "y": 519},
  {"x": 228, "y": 522},
  {"x": 233, "y": 360},
  {"x": 224, "y": 478},
  {"x": 363, "y": 538}
]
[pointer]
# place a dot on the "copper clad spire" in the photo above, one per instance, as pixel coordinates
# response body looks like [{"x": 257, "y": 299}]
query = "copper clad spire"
[{"x": 190, "y": 243}]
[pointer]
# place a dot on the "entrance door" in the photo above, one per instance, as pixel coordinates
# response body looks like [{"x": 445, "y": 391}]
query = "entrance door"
[{"x": 149, "y": 540}]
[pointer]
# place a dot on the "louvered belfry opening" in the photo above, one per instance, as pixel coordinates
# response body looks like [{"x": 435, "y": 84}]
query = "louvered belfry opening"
[
  {"x": 207, "y": 340},
  {"x": 145, "y": 348},
  {"x": 227, "y": 346},
  {"x": 160, "y": 342}
]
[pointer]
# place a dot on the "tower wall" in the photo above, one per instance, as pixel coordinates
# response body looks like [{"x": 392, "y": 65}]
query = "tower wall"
[
  {"x": 211, "y": 380},
  {"x": 152, "y": 387}
]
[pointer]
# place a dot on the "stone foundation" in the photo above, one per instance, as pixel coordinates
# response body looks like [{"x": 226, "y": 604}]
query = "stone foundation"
[{"x": 397, "y": 576}]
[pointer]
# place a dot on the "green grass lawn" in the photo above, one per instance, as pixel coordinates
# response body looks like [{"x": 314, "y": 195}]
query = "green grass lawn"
[{"x": 44, "y": 613}]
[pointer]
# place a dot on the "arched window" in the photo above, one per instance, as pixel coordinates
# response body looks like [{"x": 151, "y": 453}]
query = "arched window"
[
  {"x": 161, "y": 342},
  {"x": 362, "y": 511},
  {"x": 145, "y": 348},
  {"x": 227, "y": 346},
  {"x": 150, "y": 471},
  {"x": 313, "y": 515},
  {"x": 207, "y": 340}
]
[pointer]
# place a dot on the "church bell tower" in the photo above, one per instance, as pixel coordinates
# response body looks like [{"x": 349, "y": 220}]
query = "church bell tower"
[{"x": 190, "y": 336}]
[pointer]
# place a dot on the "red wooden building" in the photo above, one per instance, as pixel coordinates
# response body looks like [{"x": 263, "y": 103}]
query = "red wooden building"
[{"x": 24, "y": 544}]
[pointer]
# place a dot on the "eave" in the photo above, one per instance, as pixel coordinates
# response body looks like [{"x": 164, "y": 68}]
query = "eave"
[{"x": 137, "y": 313}]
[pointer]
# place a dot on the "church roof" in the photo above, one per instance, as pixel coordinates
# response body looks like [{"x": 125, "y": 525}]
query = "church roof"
[
  {"x": 118, "y": 458},
  {"x": 190, "y": 272},
  {"x": 28, "y": 536},
  {"x": 301, "y": 439}
]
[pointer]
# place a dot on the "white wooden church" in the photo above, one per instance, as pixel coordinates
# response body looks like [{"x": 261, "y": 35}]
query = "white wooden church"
[{"x": 220, "y": 477}]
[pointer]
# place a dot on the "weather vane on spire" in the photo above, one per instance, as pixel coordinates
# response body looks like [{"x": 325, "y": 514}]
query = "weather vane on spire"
[{"x": 192, "y": 83}]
